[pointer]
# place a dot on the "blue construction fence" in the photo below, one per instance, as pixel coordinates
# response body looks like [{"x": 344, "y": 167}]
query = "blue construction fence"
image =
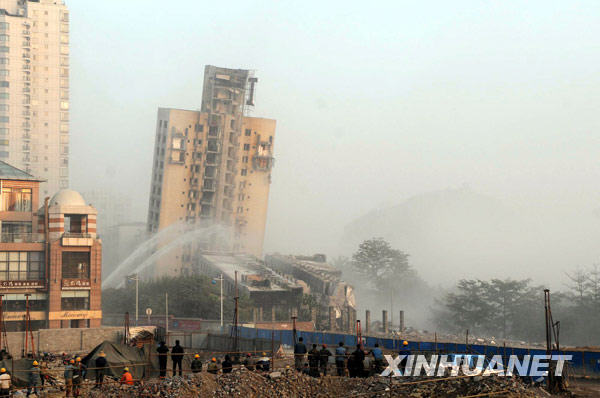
[{"x": 582, "y": 363}]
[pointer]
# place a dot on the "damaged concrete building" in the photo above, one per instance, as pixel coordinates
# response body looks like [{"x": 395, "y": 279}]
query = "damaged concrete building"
[
  {"x": 275, "y": 297},
  {"x": 337, "y": 304}
]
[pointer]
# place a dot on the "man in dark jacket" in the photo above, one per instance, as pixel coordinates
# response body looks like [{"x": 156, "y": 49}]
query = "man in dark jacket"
[
  {"x": 227, "y": 365},
  {"x": 101, "y": 368},
  {"x": 358, "y": 357},
  {"x": 177, "y": 357},
  {"x": 314, "y": 358},
  {"x": 324, "y": 359},
  {"x": 163, "y": 351},
  {"x": 299, "y": 353}
]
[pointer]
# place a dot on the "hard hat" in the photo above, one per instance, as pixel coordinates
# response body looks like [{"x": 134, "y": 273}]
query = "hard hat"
[
  {"x": 324, "y": 345},
  {"x": 214, "y": 359},
  {"x": 72, "y": 361},
  {"x": 196, "y": 356},
  {"x": 102, "y": 354},
  {"x": 35, "y": 363},
  {"x": 78, "y": 359},
  {"x": 405, "y": 342},
  {"x": 3, "y": 370},
  {"x": 126, "y": 369},
  {"x": 264, "y": 354}
]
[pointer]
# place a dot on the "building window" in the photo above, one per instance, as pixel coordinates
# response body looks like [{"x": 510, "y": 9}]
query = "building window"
[
  {"x": 246, "y": 147},
  {"x": 4, "y": 49},
  {"x": 15, "y": 199},
  {"x": 4, "y": 107},
  {"x": 76, "y": 265},
  {"x": 75, "y": 223},
  {"x": 4, "y": 119},
  {"x": 18, "y": 302},
  {"x": 248, "y": 132},
  {"x": 4, "y": 25},
  {"x": 244, "y": 159},
  {"x": 4, "y": 154},
  {"x": 21, "y": 266},
  {"x": 3, "y": 61},
  {"x": 3, "y": 72},
  {"x": 4, "y": 96},
  {"x": 3, "y": 131},
  {"x": 244, "y": 172},
  {"x": 75, "y": 300}
]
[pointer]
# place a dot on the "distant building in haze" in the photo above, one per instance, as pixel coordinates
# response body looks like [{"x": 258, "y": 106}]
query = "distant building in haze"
[
  {"x": 34, "y": 89},
  {"x": 213, "y": 166}
]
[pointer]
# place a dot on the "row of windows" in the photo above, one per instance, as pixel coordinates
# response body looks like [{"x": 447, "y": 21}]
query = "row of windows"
[{"x": 21, "y": 266}]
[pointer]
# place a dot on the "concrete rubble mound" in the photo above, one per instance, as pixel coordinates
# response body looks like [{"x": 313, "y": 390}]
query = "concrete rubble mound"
[{"x": 291, "y": 384}]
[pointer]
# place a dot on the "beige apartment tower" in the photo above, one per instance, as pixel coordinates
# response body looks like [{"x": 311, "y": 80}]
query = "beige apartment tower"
[
  {"x": 34, "y": 89},
  {"x": 213, "y": 166}
]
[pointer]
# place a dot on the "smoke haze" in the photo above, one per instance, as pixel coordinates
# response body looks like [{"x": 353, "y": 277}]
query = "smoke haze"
[{"x": 374, "y": 106}]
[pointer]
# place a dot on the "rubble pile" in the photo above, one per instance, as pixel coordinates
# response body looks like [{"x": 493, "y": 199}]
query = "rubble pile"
[{"x": 242, "y": 383}]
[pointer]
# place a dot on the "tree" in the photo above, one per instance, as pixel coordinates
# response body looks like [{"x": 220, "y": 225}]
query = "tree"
[
  {"x": 497, "y": 307},
  {"x": 380, "y": 264}
]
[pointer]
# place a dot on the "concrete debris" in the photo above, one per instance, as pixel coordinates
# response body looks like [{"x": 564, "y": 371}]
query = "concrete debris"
[{"x": 289, "y": 383}]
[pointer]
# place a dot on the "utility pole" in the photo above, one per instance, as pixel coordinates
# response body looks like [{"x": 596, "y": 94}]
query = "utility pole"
[
  {"x": 220, "y": 279},
  {"x": 136, "y": 278},
  {"x": 167, "y": 317},
  {"x": 235, "y": 319}
]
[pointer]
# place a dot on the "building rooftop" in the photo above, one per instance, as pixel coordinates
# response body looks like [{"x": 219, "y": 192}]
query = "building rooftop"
[
  {"x": 67, "y": 197},
  {"x": 8, "y": 172}
]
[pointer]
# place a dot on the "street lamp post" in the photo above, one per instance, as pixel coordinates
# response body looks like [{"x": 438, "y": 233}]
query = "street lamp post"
[
  {"x": 136, "y": 278},
  {"x": 220, "y": 279}
]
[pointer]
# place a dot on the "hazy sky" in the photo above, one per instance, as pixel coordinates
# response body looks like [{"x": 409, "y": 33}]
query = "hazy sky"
[{"x": 375, "y": 102}]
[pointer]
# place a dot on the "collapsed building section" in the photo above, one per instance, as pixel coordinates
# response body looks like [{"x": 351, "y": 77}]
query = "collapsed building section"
[
  {"x": 274, "y": 297},
  {"x": 336, "y": 304}
]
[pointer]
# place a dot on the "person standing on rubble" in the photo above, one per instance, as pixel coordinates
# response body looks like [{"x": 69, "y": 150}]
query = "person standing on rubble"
[
  {"x": 358, "y": 357},
  {"x": 404, "y": 351},
  {"x": 68, "y": 374},
  {"x": 299, "y": 353},
  {"x": 163, "y": 351},
  {"x": 101, "y": 367},
  {"x": 196, "y": 364},
  {"x": 314, "y": 357},
  {"x": 324, "y": 359},
  {"x": 4, "y": 383},
  {"x": 78, "y": 376},
  {"x": 378, "y": 359},
  {"x": 177, "y": 357},
  {"x": 34, "y": 379},
  {"x": 340, "y": 358},
  {"x": 227, "y": 365},
  {"x": 212, "y": 366}
]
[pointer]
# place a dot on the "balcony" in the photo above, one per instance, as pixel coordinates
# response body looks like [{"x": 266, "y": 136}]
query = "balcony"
[
  {"x": 77, "y": 239},
  {"x": 22, "y": 238}
]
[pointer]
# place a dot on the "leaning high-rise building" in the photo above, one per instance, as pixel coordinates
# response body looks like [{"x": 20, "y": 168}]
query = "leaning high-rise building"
[
  {"x": 34, "y": 89},
  {"x": 213, "y": 166}
]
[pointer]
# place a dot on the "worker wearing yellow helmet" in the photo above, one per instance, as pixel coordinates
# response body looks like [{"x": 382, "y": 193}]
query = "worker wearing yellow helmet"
[
  {"x": 34, "y": 379},
  {"x": 196, "y": 364},
  {"x": 127, "y": 378},
  {"x": 4, "y": 383}
]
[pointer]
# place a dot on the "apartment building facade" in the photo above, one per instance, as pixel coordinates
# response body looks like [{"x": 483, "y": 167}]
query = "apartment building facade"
[
  {"x": 213, "y": 166},
  {"x": 50, "y": 256},
  {"x": 34, "y": 89}
]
